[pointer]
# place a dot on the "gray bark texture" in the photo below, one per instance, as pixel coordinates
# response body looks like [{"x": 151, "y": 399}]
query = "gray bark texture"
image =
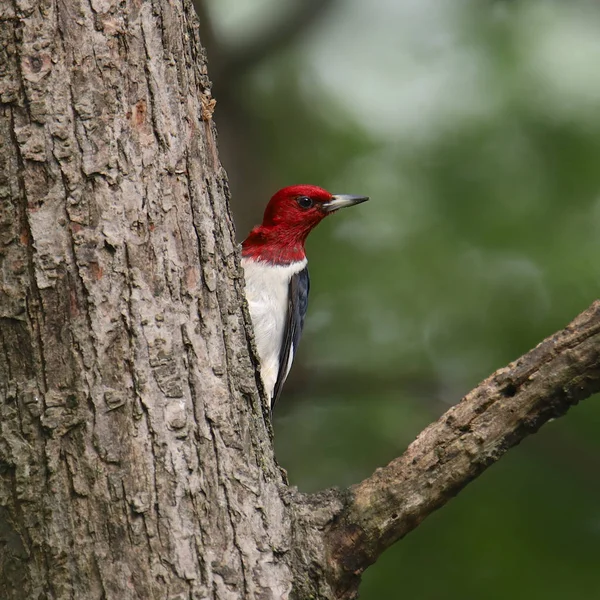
[{"x": 136, "y": 457}]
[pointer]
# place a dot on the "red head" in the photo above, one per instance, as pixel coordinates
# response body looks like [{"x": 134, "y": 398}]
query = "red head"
[{"x": 289, "y": 217}]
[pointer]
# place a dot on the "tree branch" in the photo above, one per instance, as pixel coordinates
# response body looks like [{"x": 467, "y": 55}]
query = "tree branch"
[
  {"x": 504, "y": 409},
  {"x": 229, "y": 62},
  {"x": 299, "y": 18}
]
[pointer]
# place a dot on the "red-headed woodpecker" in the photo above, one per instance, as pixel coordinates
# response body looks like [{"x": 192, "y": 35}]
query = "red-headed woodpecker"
[{"x": 276, "y": 275}]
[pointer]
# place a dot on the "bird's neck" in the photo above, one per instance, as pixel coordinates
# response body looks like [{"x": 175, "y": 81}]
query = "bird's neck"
[{"x": 275, "y": 245}]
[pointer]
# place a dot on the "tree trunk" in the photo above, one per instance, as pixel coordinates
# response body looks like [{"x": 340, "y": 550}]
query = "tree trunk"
[
  {"x": 135, "y": 447},
  {"x": 134, "y": 458}
]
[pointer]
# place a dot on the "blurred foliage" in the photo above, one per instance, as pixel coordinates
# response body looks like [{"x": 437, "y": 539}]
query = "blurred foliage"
[{"x": 478, "y": 141}]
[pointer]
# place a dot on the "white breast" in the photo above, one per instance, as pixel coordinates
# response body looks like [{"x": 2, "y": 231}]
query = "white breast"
[{"x": 267, "y": 288}]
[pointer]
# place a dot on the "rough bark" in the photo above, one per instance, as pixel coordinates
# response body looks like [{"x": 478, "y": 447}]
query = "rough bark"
[{"x": 135, "y": 457}]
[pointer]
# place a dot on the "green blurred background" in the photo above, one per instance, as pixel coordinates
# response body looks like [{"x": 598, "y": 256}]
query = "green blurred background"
[{"x": 475, "y": 129}]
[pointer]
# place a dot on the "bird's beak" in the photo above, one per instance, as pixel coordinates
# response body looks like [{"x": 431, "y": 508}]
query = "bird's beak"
[{"x": 341, "y": 201}]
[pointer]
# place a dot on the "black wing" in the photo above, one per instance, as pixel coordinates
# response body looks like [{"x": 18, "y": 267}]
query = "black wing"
[{"x": 297, "y": 305}]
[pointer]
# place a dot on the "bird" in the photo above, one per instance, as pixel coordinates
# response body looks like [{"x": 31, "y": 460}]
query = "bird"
[{"x": 276, "y": 275}]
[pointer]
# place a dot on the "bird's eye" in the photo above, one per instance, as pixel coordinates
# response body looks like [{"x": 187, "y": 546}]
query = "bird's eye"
[{"x": 304, "y": 202}]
